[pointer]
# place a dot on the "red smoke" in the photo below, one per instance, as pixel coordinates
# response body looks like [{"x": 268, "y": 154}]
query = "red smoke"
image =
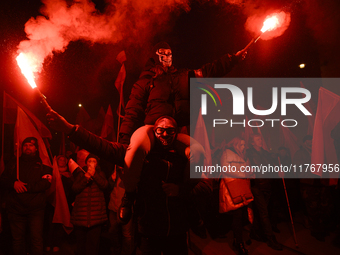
[{"x": 63, "y": 22}]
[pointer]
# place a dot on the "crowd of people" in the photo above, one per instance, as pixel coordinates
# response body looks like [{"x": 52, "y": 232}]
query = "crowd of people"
[
  {"x": 166, "y": 201},
  {"x": 148, "y": 203}
]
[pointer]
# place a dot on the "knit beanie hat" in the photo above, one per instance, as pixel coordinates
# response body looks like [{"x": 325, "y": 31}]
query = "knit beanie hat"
[
  {"x": 91, "y": 156},
  {"x": 32, "y": 140}
]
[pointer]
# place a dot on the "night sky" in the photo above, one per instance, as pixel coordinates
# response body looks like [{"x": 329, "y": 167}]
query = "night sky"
[{"x": 198, "y": 32}]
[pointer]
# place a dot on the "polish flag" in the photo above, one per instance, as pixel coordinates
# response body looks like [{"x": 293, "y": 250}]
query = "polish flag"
[
  {"x": 59, "y": 201},
  {"x": 327, "y": 116},
  {"x": 121, "y": 57},
  {"x": 108, "y": 131},
  {"x": 201, "y": 136},
  {"x": 289, "y": 140},
  {"x": 311, "y": 107},
  {"x": 23, "y": 129}
]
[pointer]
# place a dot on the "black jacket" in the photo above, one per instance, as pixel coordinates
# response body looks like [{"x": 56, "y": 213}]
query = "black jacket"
[
  {"x": 302, "y": 157},
  {"x": 89, "y": 206},
  {"x": 31, "y": 171},
  {"x": 110, "y": 151},
  {"x": 157, "y": 214},
  {"x": 167, "y": 94},
  {"x": 153, "y": 207},
  {"x": 261, "y": 158}
]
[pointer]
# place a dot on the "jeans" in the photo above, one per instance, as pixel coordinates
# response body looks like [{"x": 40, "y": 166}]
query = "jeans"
[
  {"x": 169, "y": 245},
  {"x": 141, "y": 143},
  {"x": 35, "y": 222},
  {"x": 122, "y": 235},
  {"x": 261, "y": 201}
]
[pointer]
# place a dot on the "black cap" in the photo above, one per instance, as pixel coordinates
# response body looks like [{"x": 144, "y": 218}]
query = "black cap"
[{"x": 32, "y": 140}]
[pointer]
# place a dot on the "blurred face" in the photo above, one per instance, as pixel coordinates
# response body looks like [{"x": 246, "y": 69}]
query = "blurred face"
[
  {"x": 283, "y": 153},
  {"x": 257, "y": 141},
  {"x": 165, "y": 132},
  {"x": 308, "y": 144},
  {"x": 62, "y": 161},
  {"x": 241, "y": 146},
  {"x": 91, "y": 163},
  {"x": 29, "y": 148},
  {"x": 165, "y": 57}
]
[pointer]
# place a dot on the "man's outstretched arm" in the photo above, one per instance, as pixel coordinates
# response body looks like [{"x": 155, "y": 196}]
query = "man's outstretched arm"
[{"x": 111, "y": 151}]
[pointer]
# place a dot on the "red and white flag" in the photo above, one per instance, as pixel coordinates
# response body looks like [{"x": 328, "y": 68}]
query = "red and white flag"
[
  {"x": 59, "y": 201},
  {"x": 119, "y": 83},
  {"x": 23, "y": 129},
  {"x": 311, "y": 107},
  {"x": 201, "y": 136},
  {"x": 10, "y": 115},
  {"x": 327, "y": 116},
  {"x": 72, "y": 165},
  {"x": 288, "y": 140},
  {"x": 108, "y": 131}
]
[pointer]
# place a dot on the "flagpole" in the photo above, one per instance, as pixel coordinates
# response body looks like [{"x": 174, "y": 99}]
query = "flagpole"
[
  {"x": 3, "y": 131},
  {"x": 63, "y": 150},
  {"x": 118, "y": 127},
  {"x": 18, "y": 145},
  {"x": 290, "y": 212},
  {"x": 121, "y": 93},
  {"x": 48, "y": 148}
]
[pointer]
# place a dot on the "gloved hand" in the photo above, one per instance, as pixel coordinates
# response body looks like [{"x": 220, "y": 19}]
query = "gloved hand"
[{"x": 58, "y": 122}]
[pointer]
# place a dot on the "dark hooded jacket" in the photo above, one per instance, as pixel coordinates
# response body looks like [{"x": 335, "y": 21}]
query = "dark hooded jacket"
[
  {"x": 31, "y": 171},
  {"x": 157, "y": 214},
  {"x": 168, "y": 93}
]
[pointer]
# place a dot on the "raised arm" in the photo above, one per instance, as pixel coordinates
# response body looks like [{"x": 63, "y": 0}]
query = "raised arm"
[
  {"x": 221, "y": 66},
  {"x": 111, "y": 151}
]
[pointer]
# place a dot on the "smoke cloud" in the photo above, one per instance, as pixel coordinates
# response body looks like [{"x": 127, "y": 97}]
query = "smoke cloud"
[
  {"x": 321, "y": 15},
  {"x": 136, "y": 21},
  {"x": 63, "y": 22}
]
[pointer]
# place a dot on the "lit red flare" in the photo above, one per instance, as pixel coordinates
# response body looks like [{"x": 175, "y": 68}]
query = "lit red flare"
[
  {"x": 277, "y": 22},
  {"x": 28, "y": 67},
  {"x": 273, "y": 21},
  {"x": 270, "y": 24}
]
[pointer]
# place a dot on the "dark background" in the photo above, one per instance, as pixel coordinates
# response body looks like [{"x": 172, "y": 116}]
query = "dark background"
[{"x": 85, "y": 72}]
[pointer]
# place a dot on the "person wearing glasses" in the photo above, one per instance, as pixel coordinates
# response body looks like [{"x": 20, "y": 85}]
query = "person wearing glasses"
[
  {"x": 164, "y": 190},
  {"x": 162, "y": 90}
]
